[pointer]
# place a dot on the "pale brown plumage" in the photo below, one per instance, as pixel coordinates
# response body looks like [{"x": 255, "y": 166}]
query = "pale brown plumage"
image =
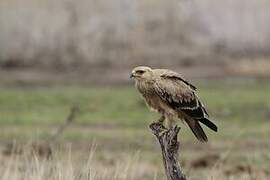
[{"x": 168, "y": 93}]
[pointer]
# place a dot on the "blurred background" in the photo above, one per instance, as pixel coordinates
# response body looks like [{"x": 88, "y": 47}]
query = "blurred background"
[{"x": 59, "y": 54}]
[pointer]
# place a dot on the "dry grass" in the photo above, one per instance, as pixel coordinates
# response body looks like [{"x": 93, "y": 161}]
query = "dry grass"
[
  {"x": 69, "y": 165},
  {"x": 66, "y": 166}
]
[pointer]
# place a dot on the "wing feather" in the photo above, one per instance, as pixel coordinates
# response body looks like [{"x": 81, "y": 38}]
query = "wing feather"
[
  {"x": 174, "y": 75},
  {"x": 180, "y": 95}
]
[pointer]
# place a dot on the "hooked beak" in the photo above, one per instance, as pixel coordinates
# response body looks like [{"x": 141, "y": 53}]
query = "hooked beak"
[{"x": 131, "y": 75}]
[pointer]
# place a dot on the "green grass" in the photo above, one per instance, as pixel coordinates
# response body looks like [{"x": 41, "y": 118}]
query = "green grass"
[
  {"x": 242, "y": 110},
  {"x": 122, "y": 106},
  {"x": 116, "y": 118},
  {"x": 117, "y": 106}
]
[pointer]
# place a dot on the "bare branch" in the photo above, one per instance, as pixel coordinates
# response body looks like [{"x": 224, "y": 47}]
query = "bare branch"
[
  {"x": 169, "y": 146},
  {"x": 73, "y": 111}
]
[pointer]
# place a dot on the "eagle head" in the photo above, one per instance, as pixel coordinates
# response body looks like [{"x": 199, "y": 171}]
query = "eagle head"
[{"x": 142, "y": 73}]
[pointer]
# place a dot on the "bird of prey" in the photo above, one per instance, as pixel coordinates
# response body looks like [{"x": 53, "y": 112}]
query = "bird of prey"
[{"x": 168, "y": 93}]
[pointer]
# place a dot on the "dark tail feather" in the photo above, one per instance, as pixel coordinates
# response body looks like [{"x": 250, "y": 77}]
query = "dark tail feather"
[
  {"x": 196, "y": 129},
  {"x": 209, "y": 124}
]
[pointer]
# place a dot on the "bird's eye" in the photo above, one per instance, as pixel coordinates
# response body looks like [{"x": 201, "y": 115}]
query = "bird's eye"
[{"x": 140, "y": 72}]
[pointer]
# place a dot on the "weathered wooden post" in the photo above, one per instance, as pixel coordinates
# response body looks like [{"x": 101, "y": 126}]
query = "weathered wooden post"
[{"x": 169, "y": 146}]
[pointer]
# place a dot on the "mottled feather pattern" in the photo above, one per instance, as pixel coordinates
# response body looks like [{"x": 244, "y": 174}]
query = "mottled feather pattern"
[
  {"x": 165, "y": 73},
  {"x": 175, "y": 99},
  {"x": 176, "y": 92}
]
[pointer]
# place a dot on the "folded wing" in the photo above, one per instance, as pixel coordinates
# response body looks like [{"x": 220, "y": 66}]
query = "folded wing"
[{"x": 181, "y": 96}]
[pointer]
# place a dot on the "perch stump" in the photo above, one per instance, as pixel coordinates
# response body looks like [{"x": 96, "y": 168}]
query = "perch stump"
[{"x": 169, "y": 146}]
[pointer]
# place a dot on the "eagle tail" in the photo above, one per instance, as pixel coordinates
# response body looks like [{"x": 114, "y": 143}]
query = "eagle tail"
[
  {"x": 209, "y": 124},
  {"x": 196, "y": 129}
]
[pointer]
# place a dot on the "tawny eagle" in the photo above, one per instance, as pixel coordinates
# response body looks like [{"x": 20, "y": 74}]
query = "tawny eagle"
[{"x": 168, "y": 93}]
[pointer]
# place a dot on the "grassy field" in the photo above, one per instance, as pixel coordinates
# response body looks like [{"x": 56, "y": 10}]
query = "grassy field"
[{"x": 116, "y": 121}]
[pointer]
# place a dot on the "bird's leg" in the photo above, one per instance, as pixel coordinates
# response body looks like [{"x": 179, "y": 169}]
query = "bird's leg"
[
  {"x": 170, "y": 123},
  {"x": 161, "y": 119}
]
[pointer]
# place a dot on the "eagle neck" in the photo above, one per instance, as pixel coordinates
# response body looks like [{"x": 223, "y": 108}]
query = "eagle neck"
[{"x": 145, "y": 86}]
